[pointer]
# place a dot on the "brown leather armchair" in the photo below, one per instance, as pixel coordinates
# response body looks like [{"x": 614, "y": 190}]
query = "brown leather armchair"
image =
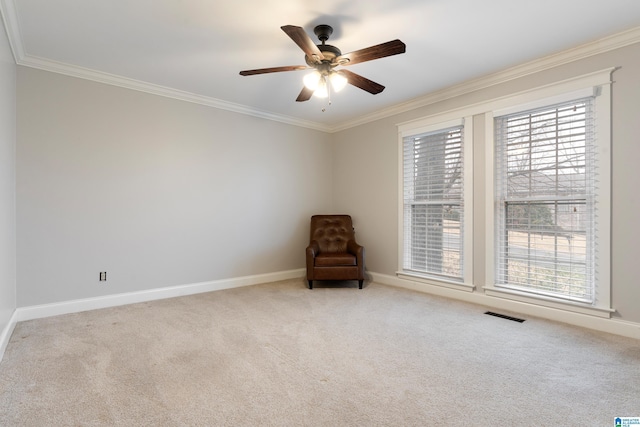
[{"x": 333, "y": 253}]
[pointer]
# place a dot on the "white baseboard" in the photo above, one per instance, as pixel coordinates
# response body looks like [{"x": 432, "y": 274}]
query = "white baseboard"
[
  {"x": 609, "y": 325},
  {"x": 613, "y": 326},
  {"x": 6, "y": 333},
  {"x": 76, "y": 306}
]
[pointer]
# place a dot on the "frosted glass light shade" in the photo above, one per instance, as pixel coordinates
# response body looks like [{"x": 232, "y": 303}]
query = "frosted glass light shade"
[
  {"x": 322, "y": 91},
  {"x": 312, "y": 80},
  {"x": 338, "y": 81}
]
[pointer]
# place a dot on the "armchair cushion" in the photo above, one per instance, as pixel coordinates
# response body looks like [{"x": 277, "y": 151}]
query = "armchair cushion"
[{"x": 333, "y": 259}]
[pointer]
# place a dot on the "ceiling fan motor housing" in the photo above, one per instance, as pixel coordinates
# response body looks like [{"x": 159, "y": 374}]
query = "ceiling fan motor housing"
[{"x": 328, "y": 51}]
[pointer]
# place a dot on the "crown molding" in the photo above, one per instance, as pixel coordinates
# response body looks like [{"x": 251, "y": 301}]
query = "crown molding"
[
  {"x": 124, "y": 82},
  {"x": 596, "y": 47},
  {"x": 9, "y": 17},
  {"x": 615, "y": 41}
]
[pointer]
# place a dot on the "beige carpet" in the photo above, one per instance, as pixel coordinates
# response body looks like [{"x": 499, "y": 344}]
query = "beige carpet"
[{"x": 282, "y": 355}]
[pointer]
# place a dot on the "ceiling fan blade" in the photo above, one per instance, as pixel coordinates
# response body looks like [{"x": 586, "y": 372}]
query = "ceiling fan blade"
[
  {"x": 273, "y": 70},
  {"x": 394, "y": 47},
  {"x": 305, "y": 94},
  {"x": 362, "y": 82},
  {"x": 300, "y": 37}
]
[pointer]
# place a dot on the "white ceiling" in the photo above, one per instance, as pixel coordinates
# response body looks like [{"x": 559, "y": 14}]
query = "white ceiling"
[{"x": 194, "y": 49}]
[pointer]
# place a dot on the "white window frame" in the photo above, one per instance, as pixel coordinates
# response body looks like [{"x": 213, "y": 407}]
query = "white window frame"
[
  {"x": 595, "y": 84},
  {"x": 428, "y": 125},
  {"x": 598, "y": 83}
]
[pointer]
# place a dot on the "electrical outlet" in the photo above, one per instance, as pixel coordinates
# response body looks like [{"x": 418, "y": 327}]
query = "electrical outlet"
[{"x": 103, "y": 276}]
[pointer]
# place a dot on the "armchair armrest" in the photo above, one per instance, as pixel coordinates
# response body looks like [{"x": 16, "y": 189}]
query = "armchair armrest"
[
  {"x": 357, "y": 250},
  {"x": 312, "y": 250},
  {"x": 354, "y": 248}
]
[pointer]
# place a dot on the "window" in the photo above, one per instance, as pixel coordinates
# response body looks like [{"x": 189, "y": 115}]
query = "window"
[
  {"x": 548, "y": 210},
  {"x": 541, "y": 178},
  {"x": 433, "y": 208},
  {"x": 544, "y": 194}
]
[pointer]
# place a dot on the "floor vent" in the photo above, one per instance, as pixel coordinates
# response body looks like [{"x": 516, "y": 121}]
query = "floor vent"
[{"x": 504, "y": 316}]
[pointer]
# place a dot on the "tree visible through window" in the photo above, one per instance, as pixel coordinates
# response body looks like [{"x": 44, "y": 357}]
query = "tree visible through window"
[
  {"x": 544, "y": 207},
  {"x": 433, "y": 202}
]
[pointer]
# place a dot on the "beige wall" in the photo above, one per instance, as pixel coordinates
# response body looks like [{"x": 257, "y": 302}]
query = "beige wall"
[
  {"x": 366, "y": 173},
  {"x": 7, "y": 182},
  {"x": 154, "y": 191},
  {"x": 159, "y": 192}
]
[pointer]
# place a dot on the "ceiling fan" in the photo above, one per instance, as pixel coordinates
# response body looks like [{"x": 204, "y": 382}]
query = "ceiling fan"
[{"x": 324, "y": 58}]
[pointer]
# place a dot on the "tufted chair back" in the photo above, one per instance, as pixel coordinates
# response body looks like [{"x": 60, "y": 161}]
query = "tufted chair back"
[{"x": 332, "y": 232}]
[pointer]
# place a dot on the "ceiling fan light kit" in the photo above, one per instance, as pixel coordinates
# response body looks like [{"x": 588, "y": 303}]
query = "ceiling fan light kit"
[
  {"x": 324, "y": 58},
  {"x": 318, "y": 82}
]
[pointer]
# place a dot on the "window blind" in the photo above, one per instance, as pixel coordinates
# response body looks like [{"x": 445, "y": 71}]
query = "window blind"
[
  {"x": 545, "y": 184},
  {"x": 433, "y": 203}
]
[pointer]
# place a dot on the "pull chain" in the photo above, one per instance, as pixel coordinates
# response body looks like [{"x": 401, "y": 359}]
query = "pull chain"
[{"x": 328, "y": 96}]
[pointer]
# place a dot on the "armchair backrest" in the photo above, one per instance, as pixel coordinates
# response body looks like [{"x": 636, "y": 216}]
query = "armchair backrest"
[{"x": 332, "y": 232}]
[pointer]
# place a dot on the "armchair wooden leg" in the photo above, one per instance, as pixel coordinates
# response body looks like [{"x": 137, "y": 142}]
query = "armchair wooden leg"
[
  {"x": 360, "y": 284},
  {"x": 310, "y": 284}
]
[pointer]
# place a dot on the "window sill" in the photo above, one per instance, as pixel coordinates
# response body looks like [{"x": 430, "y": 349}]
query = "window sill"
[
  {"x": 430, "y": 280},
  {"x": 550, "y": 302}
]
